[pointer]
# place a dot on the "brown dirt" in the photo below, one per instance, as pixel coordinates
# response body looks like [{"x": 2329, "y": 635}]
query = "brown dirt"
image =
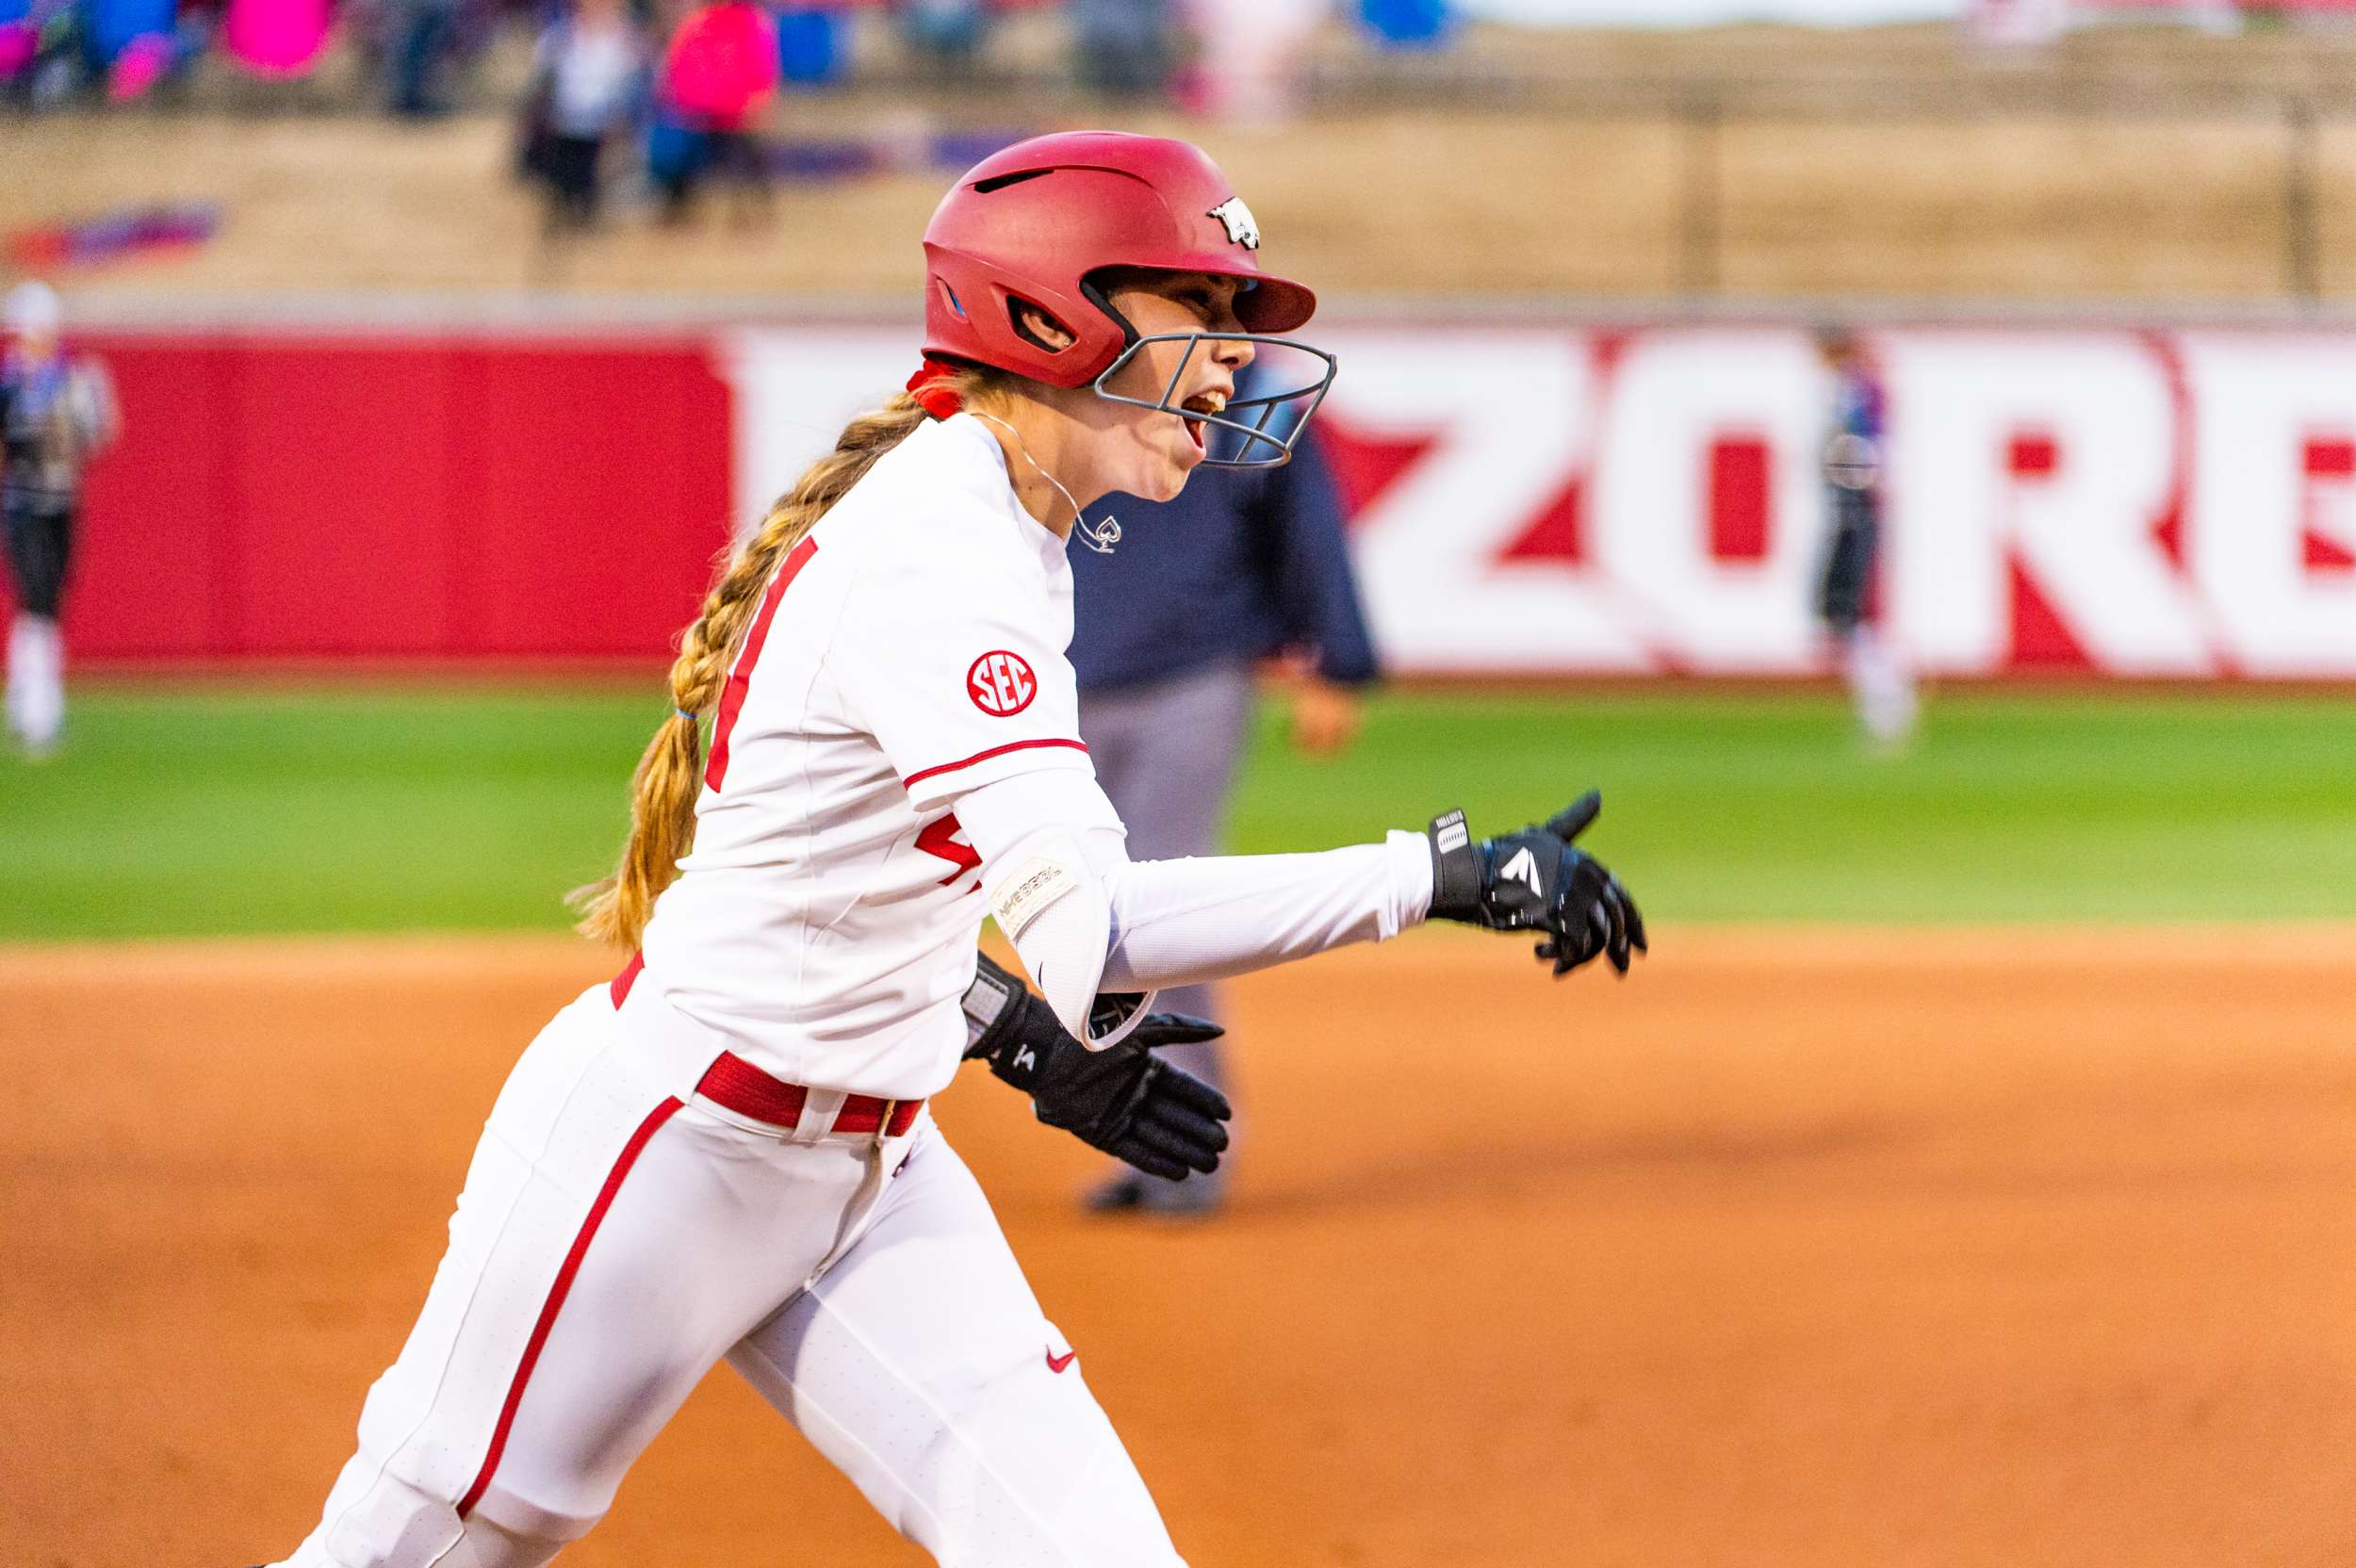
[{"x": 1803, "y": 1247}]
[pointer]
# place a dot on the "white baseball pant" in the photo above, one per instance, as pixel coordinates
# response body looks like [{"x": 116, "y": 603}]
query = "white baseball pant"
[{"x": 613, "y": 1242}]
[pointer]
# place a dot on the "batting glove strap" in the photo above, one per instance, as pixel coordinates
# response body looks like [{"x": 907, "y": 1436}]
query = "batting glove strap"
[
  {"x": 1455, "y": 869},
  {"x": 994, "y": 1005}
]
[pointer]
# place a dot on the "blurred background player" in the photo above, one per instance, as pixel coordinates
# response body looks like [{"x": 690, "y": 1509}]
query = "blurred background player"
[
  {"x": 1879, "y": 684},
  {"x": 1169, "y": 632},
  {"x": 718, "y": 78},
  {"x": 590, "y": 82},
  {"x": 56, "y": 411}
]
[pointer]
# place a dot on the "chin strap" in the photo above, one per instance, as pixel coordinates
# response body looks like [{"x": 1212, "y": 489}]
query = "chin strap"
[{"x": 933, "y": 393}]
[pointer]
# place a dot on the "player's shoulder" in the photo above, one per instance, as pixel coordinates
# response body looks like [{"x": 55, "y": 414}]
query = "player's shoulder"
[{"x": 935, "y": 513}]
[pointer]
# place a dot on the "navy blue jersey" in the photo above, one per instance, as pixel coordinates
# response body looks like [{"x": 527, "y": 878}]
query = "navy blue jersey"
[
  {"x": 1852, "y": 447},
  {"x": 1244, "y": 563},
  {"x": 1852, "y": 478},
  {"x": 54, "y": 413}
]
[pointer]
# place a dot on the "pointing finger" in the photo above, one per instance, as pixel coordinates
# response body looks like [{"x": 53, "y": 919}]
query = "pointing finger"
[{"x": 1570, "y": 822}]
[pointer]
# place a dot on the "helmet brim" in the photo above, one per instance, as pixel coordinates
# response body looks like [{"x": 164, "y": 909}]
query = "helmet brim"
[
  {"x": 1272, "y": 304},
  {"x": 1265, "y": 303}
]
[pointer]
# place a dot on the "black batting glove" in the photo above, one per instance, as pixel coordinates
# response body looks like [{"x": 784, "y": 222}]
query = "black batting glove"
[
  {"x": 1537, "y": 880},
  {"x": 1123, "y": 1098}
]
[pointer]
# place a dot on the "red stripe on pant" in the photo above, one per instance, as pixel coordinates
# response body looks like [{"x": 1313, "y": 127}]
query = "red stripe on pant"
[{"x": 557, "y": 1292}]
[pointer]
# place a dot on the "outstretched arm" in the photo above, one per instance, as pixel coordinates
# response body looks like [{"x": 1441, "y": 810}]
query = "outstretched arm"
[{"x": 1084, "y": 917}]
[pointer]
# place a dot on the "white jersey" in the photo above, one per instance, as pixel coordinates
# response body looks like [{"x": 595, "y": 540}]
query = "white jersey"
[{"x": 912, "y": 648}]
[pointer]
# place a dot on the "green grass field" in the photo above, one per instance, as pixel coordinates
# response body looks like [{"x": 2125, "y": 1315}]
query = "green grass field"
[{"x": 192, "y": 809}]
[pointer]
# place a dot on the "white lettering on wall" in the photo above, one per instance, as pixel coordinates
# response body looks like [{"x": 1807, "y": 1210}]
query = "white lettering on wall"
[
  {"x": 1676, "y": 397},
  {"x": 2144, "y": 503},
  {"x": 2055, "y": 452},
  {"x": 2270, "y": 466}
]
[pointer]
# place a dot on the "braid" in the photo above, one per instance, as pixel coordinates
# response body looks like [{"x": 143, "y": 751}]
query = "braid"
[{"x": 663, "y": 793}]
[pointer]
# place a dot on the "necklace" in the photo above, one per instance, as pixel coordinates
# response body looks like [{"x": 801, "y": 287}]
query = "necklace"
[{"x": 1100, "y": 536}]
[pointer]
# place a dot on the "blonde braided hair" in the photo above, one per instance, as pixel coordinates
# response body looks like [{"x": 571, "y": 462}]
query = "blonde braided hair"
[{"x": 663, "y": 790}]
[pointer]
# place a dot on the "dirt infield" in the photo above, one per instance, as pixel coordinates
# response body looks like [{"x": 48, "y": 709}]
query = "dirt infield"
[{"x": 1806, "y": 1247}]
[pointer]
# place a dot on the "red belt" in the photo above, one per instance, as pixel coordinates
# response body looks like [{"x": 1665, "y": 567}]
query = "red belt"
[
  {"x": 744, "y": 1089},
  {"x": 736, "y": 1084}
]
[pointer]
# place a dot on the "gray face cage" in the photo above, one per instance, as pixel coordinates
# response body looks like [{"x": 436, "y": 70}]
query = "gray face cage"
[{"x": 1258, "y": 437}]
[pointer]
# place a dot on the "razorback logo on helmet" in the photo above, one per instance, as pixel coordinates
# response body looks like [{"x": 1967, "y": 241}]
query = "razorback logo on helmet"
[
  {"x": 1000, "y": 684},
  {"x": 1242, "y": 228}
]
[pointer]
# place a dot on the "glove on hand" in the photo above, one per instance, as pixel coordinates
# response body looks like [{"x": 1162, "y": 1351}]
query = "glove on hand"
[
  {"x": 1123, "y": 1098},
  {"x": 1536, "y": 881}
]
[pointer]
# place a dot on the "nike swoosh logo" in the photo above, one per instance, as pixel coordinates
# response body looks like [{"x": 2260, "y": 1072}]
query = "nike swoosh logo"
[{"x": 1056, "y": 1363}]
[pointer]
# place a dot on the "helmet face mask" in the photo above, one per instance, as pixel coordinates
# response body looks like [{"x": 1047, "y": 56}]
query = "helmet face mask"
[{"x": 1245, "y": 420}]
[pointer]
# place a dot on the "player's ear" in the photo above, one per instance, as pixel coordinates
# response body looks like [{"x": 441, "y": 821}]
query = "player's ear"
[{"x": 1038, "y": 328}]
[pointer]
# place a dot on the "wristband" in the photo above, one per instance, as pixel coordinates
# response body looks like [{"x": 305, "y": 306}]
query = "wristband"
[
  {"x": 1455, "y": 871},
  {"x": 990, "y": 1005}
]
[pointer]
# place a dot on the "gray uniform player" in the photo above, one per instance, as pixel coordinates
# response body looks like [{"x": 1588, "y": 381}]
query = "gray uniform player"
[{"x": 1166, "y": 635}]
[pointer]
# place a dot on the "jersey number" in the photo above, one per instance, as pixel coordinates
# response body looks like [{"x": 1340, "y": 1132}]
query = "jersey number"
[{"x": 940, "y": 836}]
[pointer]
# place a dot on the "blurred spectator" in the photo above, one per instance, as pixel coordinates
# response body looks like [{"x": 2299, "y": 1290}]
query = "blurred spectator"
[
  {"x": 20, "y": 36},
  {"x": 1879, "y": 684},
  {"x": 1406, "y": 24},
  {"x": 420, "y": 37},
  {"x": 20, "y": 40},
  {"x": 275, "y": 37},
  {"x": 812, "y": 48},
  {"x": 1123, "y": 48},
  {"x": 717, "y": 77},
  {"x": 134, "y": 43},
  {"x": 949, "y": 33},
  {"x": 56, "y": 51},
  {"x": 589, "y": 78},
  {"x": 1168, "y": 630},
  {"x": 2019, "y": 22},
  {"x": 1251, "y": 57},
  {"x": 56, "y": 411},
  {"x": 41, "y": 50}
]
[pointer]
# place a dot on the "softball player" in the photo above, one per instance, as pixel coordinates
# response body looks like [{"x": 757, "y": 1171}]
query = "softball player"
[
  {"x": 56, "y": 411},
  {"x": 726, "y": 1153},
  {"x": 1879, "y": 684}
]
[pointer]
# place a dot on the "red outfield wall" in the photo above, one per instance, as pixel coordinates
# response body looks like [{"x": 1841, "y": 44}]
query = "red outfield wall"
[
  {"x": 300, "y": 497},
  {"x": 1532, "y": 500}
]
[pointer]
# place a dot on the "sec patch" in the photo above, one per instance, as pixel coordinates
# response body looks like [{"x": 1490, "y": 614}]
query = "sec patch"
[{"x": 1000, "y": 684}]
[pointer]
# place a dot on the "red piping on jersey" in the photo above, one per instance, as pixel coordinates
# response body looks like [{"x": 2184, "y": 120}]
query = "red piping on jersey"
[
  {"x": 913, "y": 780},
  {"x": 619, "y": 990},
  {"x": 557, "y": 1293},
  {"x": 733, "y": 696}
]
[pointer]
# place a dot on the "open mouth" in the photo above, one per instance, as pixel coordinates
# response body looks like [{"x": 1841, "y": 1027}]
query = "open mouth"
[{"x": 1196, "y": 408}]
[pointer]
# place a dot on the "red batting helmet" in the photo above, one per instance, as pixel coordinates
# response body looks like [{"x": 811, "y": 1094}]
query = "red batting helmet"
[{"x": 1032, "y": 222}]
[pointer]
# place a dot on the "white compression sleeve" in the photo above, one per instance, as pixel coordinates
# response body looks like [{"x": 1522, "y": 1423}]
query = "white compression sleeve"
[
  {"x": 1179, "y": 922},
  {"x": 1176, "y": 923}
]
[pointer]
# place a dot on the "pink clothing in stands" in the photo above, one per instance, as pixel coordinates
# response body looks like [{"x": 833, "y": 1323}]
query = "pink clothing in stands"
[
  {"x": 723, "y": 64},
  {"x": 275, "y": 37}
]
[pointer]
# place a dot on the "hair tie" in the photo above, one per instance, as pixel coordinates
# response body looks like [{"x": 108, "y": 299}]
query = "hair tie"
[
  {"x": 929, "y": 387},
  {"x": 684, "y": 713}
]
